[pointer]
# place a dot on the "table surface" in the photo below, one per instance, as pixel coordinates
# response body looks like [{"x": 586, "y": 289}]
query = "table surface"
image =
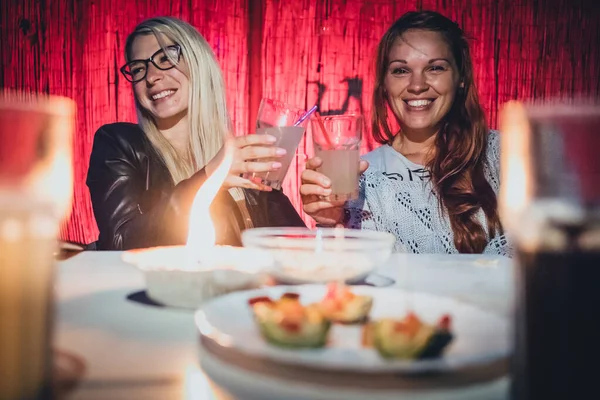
[{"x": 136, "y": 350}]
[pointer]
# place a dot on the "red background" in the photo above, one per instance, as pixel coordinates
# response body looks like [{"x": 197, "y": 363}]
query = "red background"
[{"x": 287, "y": 50}]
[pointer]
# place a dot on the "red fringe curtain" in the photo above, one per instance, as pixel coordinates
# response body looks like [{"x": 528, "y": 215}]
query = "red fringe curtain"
[{"x": 302, "y": 52}]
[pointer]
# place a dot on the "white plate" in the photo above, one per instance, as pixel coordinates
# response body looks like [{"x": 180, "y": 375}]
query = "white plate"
[{"x": 480, "y": 337}]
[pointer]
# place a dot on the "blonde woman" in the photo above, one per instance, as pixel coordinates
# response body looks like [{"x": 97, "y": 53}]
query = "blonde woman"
[{"x": 142, "y": 178}]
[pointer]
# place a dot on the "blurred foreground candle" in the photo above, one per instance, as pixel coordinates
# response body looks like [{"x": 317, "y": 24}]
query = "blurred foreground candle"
[
  {"x": 550, "y": 205},
  {"x": 35, "y": 195}
]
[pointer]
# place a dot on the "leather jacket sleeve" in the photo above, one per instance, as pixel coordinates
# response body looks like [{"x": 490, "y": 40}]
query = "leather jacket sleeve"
[
  {"x": 117, "y": 184},
  {"x": 272, "y": 209}
]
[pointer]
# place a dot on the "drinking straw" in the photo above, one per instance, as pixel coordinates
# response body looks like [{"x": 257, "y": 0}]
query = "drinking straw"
[
  {"x": 323, "y": 129},
  {"x": 306, "y": 115}
]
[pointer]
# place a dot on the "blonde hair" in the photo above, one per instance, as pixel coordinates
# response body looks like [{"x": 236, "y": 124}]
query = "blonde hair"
[{"x": 207, "y": 114}]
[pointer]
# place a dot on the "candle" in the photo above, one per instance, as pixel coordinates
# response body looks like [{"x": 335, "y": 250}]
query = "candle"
[
  {"x": 187, "y": 276},
  {"x": 515, "y": 175}
]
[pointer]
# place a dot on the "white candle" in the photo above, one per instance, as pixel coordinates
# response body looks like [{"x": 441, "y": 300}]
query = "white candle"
[
  {"x": 187, "y": 276},
  {"x": 172, "y": 279}
]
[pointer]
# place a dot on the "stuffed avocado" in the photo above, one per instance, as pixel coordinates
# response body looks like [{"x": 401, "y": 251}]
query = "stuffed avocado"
[
  {"x": 408, "y": 338},
  {"x": 287, "y": 323},
  {"x": 343, "y": 306}
]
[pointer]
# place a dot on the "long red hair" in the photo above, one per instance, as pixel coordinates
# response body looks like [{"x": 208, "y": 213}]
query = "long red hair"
[{"x": 457, "y": 166}]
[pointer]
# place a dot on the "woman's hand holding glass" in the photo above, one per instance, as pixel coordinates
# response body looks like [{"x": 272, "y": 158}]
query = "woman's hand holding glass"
[
  {"x": 314, "y": 186},
  {"x": 252, "y": 153}
]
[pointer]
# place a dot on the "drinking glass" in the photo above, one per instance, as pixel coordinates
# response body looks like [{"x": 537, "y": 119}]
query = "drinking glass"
[
  {"x": 35, "y": 195},
  {"x": 550, "y": 206},
  {"x": 278, "y": 119},
  {"x": 336, "y": 141}
]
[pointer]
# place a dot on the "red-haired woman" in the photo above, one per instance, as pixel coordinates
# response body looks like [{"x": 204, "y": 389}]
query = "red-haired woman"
[{"x": 434, "y": 183}]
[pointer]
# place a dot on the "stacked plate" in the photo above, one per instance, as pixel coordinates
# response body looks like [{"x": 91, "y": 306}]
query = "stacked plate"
[{"x": 477, "y": 355}]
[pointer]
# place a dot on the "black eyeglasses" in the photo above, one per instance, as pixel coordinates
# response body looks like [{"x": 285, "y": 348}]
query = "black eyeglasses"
[{"x": 136, "y": 70}]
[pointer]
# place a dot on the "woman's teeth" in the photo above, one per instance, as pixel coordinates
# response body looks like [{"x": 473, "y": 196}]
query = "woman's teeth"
[
  {"x": 162, "y": 94},
  {"x": 418, "y": 103}
]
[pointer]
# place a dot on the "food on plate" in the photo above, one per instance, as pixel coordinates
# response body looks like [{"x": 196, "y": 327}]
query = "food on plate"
[
  {"x": 341, "y": 305},
  {"x": 288, "y": 323},
  {"x": 409, "y": 338}
]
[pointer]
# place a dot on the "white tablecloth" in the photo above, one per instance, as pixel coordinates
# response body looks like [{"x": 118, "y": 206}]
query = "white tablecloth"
[{"x": 136, "y": 351}]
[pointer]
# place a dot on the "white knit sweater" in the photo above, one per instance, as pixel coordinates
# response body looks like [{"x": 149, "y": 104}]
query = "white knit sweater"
[{"x": 396, "y": 196}]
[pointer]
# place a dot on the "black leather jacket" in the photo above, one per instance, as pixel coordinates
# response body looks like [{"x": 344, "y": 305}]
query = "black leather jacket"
[{"x": 137, "y": 205}]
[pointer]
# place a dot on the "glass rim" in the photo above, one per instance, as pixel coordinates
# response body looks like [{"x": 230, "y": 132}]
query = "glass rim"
[
  {"x": 282, "y": 104},
  {"x": 555, "y": 108},
  {"x": 264, "y": 235},
  {"x": 352, "y": 115}
]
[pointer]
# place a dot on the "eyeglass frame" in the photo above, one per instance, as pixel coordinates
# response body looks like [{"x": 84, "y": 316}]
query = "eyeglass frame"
[{"x": 150, "y": 59}]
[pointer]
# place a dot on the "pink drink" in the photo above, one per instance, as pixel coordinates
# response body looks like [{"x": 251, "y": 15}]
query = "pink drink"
[
  {"x": 278, "y": 119},
  {"x": 288, "y": 138},
  {"x": 336, "y": 141},
  {"x": 341, "y": 167}
]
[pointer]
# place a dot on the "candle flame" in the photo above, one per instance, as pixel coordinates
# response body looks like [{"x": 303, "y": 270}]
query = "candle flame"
[
  {"x": 515, "y": 190},
  {"x": 51, "y": 119},
  {"x": 201, "y": 233},
  {"x": 56, "y": 182}
]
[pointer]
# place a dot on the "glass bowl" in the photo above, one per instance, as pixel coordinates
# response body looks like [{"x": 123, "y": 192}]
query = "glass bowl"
[{"x": 302, "y": 255}]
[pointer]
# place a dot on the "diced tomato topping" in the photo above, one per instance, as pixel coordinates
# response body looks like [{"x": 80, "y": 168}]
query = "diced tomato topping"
[
  {"x": 331, "y": 290},
  {"x": 290, "y": 325},
  {"x": 291, "y": 309},
  {"x": 399, "y": 327},
  {"x": 411, "y": 317},
  {"x": 292, "y": 296},
  {"x": 409, "y": 326},
  {"x": 338, "y": 292},
  {"x": 346, "y": 294},
  {"x": 445, "y": 322},
  {"x": 332, "y": 305},
  {"x": 262, "y": 299}
]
